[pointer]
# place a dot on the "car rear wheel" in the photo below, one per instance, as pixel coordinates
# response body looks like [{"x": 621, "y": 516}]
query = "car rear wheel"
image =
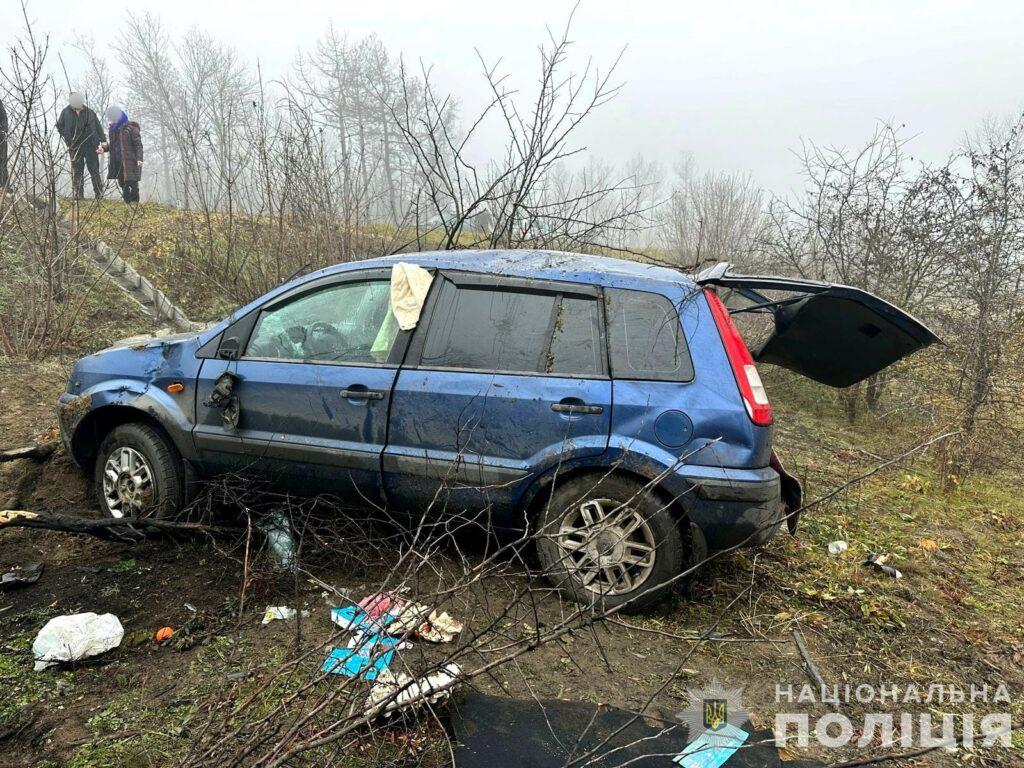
[
  {"x": 138, "y": 473},
  {"x": 608, "y": 541}
]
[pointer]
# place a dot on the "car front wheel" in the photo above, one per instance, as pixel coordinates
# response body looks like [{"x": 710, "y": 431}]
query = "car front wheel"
[
  {"x": 608, "y": 541},
  {"x": 138, "y": 473}
]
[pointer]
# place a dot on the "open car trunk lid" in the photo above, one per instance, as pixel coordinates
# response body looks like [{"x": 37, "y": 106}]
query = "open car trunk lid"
[{"x": 834, "y": 334}]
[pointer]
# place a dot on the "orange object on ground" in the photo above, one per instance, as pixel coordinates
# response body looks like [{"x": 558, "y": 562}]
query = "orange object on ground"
[{"x": 164, "y": 633}]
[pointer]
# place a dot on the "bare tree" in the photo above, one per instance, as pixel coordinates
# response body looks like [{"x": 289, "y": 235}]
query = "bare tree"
[
  {"x": 983, "y": 245},
  {"x": 710, "y": 217},
  {"x": 527, "y": 196},
  {"x": 864, "y": 220}
]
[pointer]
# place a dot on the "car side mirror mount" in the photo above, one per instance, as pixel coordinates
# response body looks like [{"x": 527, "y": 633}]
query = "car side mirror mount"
[{"x": 230, "y": 348}]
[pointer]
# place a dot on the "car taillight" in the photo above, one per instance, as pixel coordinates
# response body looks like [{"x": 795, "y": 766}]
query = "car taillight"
[{"x": 747, "y": 378}]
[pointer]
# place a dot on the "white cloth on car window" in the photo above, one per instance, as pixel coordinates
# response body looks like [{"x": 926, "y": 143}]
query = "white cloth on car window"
[{"x": 409, "y": 286}]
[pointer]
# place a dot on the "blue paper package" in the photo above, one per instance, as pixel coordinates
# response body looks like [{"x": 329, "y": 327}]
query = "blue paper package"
[
  {"x": 367, "y": 658},
  {"x": 712, "y": 748}
]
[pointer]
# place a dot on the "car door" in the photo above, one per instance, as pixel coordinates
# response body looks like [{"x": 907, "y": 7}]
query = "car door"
[
  {"x": 504, "y": 379},
  {"x": 313, "y": 380},
  {"x": 834, "y": 334}
]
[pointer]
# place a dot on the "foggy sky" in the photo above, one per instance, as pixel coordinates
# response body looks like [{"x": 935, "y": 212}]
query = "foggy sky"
[{"x": 737, "y": 84}]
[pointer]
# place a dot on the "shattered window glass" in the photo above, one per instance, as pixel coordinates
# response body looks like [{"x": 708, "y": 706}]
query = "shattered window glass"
[
  {"x": 645, "y": 337},
  {"x": 489, "y": 329},
  {"x": 346, "y": 323}
]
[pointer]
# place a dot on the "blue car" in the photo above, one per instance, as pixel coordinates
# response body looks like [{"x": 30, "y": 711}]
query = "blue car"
[{"x": 610, "y": 407}]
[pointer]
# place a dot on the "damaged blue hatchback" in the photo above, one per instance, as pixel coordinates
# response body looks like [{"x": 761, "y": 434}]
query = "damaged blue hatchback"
[{"x": 610, "y": 407}]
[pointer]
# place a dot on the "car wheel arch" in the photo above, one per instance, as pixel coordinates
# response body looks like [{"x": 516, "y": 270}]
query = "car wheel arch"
[
  {"x": 98, "y": 423},
  {"x": 542, "y": 488}
]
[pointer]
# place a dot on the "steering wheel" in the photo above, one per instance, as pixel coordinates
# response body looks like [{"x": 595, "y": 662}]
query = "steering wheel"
[{"x": 322, "y": 339}]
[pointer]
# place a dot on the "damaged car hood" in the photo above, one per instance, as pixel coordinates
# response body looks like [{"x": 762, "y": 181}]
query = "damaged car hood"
[
  {"x": 834, "y": 334},
  {"x": 146, "y": 340}
]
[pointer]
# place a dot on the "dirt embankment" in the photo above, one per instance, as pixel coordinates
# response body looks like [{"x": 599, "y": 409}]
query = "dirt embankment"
[{"x": 142, "y": 704}]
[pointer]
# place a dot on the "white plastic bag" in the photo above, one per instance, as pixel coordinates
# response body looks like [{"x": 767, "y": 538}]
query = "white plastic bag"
[{"x": 74, "y": 637}]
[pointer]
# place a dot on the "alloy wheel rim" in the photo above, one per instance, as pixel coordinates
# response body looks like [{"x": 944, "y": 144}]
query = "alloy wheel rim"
[
  {"x": 127, "y": 482},
  {"x": 609, "y": 546}
]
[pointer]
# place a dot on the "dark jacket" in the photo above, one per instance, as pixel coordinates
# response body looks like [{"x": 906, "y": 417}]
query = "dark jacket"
[
  {"x": 125, "y": 152},
  {"x": 80, "y": 130}
]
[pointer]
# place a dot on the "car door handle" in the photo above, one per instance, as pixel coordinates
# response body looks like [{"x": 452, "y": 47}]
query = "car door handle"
[
  {"x": 576, "y": 408},
  {"x": 362, "y": 394}
]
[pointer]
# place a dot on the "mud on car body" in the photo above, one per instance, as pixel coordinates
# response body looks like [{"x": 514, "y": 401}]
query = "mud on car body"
[{"x": 610, "y": 406}]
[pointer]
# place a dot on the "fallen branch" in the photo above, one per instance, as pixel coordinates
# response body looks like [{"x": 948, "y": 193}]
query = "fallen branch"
[
  {"x": 36, "y": 452},
  {"x": 123, "y": 529},
  {"x": 809, "y": 665}
]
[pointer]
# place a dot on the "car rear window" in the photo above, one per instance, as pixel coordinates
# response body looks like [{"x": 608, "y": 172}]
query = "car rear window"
[
  {"x": 645, "y": 338},
  {"x": 497, "y": 329}
]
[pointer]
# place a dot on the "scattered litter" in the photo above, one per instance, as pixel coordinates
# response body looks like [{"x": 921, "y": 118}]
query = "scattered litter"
[
  {"x": 836, "y": 548},
  {"x": 431, "y": 689},
  {"x": 712, "y": 749},
  {"x": 164, "y": 633},
  {"x": 20, "y": 575},
  {"x": 408, "y": 618},
  {"x": 234, "y": 676},
  {"x": 378, "y": 604},
  {"x": 398, "y": 617},
  {"x": 74, "y": 637},
  {"x": 280, "y": 542},
  {"x": 281, "y": 612},
  {"x": 367, "y": 659},
  {"x": 352, "y": 618},
  {"x": 439, "y": 628},
  {"x": 928, "y": 545},
  {"x": 878, "y": 562},
  {"x": 190, "y": 607}
]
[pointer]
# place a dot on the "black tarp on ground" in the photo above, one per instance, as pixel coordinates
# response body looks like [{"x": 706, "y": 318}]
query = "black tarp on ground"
[{"x": 496, "y": 732}]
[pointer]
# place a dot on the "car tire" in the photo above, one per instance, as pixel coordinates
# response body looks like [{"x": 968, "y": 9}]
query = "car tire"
[
  {"x": 593, "y": 537},
  {"x": 139, "y": 473}
]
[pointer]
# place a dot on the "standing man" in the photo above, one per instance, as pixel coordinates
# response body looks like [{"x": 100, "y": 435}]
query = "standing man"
[
  {"x": 125, "y": 148},
  {"x": 82, "y": 132},
  {"x": 4, "y": 128}
]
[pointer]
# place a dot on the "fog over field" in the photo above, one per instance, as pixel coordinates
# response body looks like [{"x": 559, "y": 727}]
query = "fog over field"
[{"x": 737, "y": 84}]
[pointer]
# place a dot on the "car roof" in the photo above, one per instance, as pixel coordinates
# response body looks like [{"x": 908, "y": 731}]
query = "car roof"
[
  {"x": 551, "y": 265},
  {"x": 545, "y": 265}
]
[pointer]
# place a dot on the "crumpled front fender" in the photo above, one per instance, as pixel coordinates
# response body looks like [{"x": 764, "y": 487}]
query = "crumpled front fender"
[{"x": 85, "y": 418}]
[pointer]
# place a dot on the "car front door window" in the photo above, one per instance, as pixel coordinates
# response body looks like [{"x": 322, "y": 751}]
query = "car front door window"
[{"x": 346, "y": 323}]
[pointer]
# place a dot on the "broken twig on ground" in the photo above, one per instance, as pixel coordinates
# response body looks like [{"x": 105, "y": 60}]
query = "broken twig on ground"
[
  {"x": 123, "y": 529},
  {"x": 809, "y": 665},
  {"x": 36, "y": 452}
]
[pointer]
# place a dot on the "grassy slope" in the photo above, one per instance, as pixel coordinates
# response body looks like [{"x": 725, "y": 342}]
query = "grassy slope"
[{"x": 954, "y": 618}]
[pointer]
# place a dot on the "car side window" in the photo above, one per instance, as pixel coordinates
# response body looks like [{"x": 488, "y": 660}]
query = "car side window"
[
  {"x": 645, "y": 337},
  {"x": 487, "y": 328},
  {"x": 493, "y": 328},
  {"x": 344, "y": 323}
]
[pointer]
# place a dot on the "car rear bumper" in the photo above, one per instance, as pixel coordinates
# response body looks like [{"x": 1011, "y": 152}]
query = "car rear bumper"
[{"x": 734, "y": 508}]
